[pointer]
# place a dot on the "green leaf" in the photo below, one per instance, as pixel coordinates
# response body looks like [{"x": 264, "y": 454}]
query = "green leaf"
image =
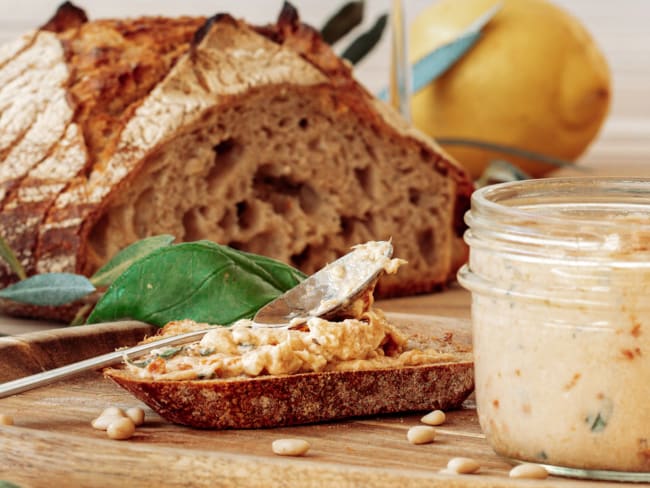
[
  {"x": 80, "y": 317},
  {"x": 140, "y": 364},
  {"x": 347, "y": 18},
  {"x": 509, "y": 150},
  {"x": 199, "y": 280},
  {"x": 363, "y": 44},
  {"x": 8, "y": 484},
  {"x": 49, "y": 289},
  {"x": 10, "y": 258},
  {"x": 437, "y": 62},
  {"x": 499, "y": 171},
  {"x": 170, "y": 352},
  {"x": 597, "y": 423},
  {"x": 127, "y": 256}
]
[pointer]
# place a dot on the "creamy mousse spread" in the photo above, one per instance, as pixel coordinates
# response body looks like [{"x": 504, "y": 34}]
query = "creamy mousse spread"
[
  {"x": 365, "y": 341},
  {"x": 562, "y": 354}
]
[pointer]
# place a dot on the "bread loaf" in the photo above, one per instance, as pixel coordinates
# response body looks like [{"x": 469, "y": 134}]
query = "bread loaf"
[{"x": 255, "y": 137}]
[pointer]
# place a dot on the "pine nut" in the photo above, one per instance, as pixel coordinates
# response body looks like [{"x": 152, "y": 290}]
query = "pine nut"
[
  {"x": 421, "y": 434},
  {"x": 461, "y": 465},
  {"x": 6, "y": 419},
  {"x": 527, "y": 470},
  {"x": 121, "y": 428},
  {"x": 437, "y": 417},
  {"x": 290, "y": 447},
  {"x": 113, "y": 412},
  {"x": 103, "y": 421},
  {"x": 136, "y": 414}
]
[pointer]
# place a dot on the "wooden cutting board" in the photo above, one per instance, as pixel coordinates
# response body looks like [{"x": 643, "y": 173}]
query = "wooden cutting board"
[{"x": 53, "y": 444}]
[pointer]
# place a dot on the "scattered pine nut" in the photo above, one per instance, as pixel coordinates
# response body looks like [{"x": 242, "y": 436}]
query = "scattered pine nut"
[
  {"x": 121, "y": 428},
  {"x": 136, "y": 414},
  {"x": 290, "y": 447},
  {"x": 113, "y": 412},
  {"x": 103, "y": 421},
  {"x": 437, "y": 417},
  {"x": 462, "y": 465},
  {"x": 421, "y": 434},
  {"x": 6, "y": 419},
  {"x": 531, "y": 471}
]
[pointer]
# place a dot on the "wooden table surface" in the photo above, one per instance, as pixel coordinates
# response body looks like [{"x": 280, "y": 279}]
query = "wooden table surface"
[{"x": 622, "y": 147}]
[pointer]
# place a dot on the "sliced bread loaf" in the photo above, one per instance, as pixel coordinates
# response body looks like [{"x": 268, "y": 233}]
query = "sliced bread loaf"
[{"x": 258, "y": 138}]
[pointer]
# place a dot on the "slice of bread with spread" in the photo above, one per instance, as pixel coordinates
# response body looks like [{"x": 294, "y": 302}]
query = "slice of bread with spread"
[
  {"x": 251, "y": 378},
  {"x": 255, "y": 137}
]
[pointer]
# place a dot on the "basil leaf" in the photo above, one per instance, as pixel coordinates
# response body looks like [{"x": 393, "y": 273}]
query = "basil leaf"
[
  {"x": 282, "y": 277},
  {"x": 202, "y": 281},
  {"x": 363, "y": 44},
  {"x": 10, "y": 258},
  {"x": 127, "y": 256},
  {"x": 347, "y": 18},
  {"x": 49, "y": 289}
]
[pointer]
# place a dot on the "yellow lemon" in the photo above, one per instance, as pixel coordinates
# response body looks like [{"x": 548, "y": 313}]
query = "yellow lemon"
[{"x": 534, "y": 80}]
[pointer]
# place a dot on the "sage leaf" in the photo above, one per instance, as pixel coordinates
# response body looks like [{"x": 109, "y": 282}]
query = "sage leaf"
[
  {"x": 509, "y": 150},
  {"x": 500, "y": 171},
  {"x": 127, "y": 256},
  {"x": 202, "y": 281},
  {"x": 342, "y": 22},
  {"x": 10, "y": 258},
  {"x": 362, "y": 45},
  {"x": 49, "y": 289},
  {"x": 438, "y": 61}
]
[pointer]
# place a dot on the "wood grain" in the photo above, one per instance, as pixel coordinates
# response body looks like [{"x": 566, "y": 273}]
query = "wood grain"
[{"x": 53, "y": 444}]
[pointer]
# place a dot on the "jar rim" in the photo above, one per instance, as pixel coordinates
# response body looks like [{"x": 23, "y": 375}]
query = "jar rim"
[{"x": 493, "y": 199}]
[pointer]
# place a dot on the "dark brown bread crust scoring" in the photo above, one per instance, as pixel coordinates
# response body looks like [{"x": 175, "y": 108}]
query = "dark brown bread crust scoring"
[
  {"x": 67, "y": 16},
  {"x": 113, "y": 66}
]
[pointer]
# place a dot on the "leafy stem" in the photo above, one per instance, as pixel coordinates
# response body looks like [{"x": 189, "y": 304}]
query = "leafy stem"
[
  {"x": 10, "y": 258},
  {"x": 510, "y": 150}
]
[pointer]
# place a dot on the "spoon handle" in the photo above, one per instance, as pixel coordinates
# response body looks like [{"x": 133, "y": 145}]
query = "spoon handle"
[{"x": 47, "y": 377}]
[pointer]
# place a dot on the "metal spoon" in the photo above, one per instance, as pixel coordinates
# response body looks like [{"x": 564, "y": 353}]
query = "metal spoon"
[
  {"x": 324, "y": 294},
  {"x": 330, "y": 291}
]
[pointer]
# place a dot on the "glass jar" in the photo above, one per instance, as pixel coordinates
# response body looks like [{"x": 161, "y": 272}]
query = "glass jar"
[{"x": 559, "y": 271}]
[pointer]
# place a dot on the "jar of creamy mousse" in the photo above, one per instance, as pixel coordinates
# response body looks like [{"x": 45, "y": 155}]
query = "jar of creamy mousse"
[{"x": 559, "y": 271}]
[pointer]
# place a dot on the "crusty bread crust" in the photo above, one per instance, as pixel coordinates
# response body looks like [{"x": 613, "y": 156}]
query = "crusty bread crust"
[
  {"x": 272, "y": 401},
  {"x": 155, "y": 100},
  {"x": 302, "y": 398}
]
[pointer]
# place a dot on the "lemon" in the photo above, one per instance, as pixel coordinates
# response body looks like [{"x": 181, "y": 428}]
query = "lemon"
[{"x": 535, "y": 80}]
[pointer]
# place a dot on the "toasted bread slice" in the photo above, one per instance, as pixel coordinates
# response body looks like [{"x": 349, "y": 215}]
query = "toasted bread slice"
[{"x": 272, "y": 401}]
